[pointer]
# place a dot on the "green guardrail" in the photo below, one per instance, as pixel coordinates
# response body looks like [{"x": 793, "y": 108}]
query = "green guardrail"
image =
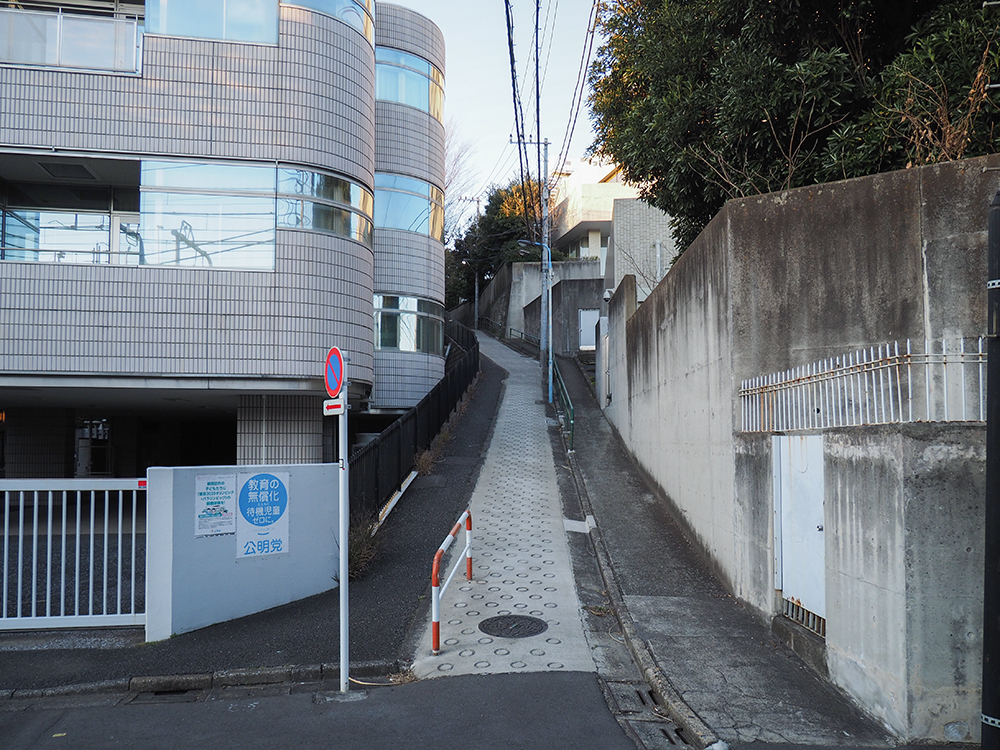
[
  {"x": 513, "y": 333},
  {"x": 491, "y": 327},
  {"x": 565, "y": 403}
]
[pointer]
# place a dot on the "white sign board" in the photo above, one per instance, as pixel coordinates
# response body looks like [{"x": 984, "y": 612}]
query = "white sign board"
[
  {"x": 262, "y": 522},
  {"x": 215, "y": 505},
  {"x": 334, "y": 406}
]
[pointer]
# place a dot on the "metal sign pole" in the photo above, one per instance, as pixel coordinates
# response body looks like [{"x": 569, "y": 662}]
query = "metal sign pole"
[
  {"x": 345, "y": 515},
  {"x": 335, "y": 377}
]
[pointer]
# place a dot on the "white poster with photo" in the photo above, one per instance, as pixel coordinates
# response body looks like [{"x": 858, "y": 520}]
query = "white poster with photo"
[
  {"x": 262, "y": 521},
  {"x": 214, "y": 505}
]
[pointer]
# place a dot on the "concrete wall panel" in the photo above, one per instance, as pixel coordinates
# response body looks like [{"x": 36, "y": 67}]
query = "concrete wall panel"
[
  {"x": 402, "y": 379},
  {"x": 409, "y": 264},
  {"x": 783, "y": 280},
  {"x": 198, "y": 581},
  {"x": 402, "y": 28}
]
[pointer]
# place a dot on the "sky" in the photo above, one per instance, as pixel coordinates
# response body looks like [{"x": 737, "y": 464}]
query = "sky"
[{"x": 478, "y": 98}]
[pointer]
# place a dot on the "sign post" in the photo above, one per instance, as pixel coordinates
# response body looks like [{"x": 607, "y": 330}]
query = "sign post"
[{"x": 334, "y": 377}]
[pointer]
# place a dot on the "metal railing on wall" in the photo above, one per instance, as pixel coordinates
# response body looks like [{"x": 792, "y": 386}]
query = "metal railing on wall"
[
  {"x": 565, "y": 405},
  {"x": 928, "y": 381},
  {"x": 492, "y": 327},
  {"x": 524, "y": 342},
  {"x": 74, "y": 553},
  {"x": 379, "y": 468}
]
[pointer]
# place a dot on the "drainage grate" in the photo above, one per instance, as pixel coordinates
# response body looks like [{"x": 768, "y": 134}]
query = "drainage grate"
[
  {"x": 638, "y": 710},
  {"x": 513, "y": 626},
  {"x": 168, "y": 696},
  {"x": 658, "y": 734},
  {"x": 809, "y": 620}
]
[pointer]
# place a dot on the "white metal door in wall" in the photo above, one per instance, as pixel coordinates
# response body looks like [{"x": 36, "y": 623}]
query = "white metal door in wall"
[
  {"x": 799, "y": 547},
  {"x": 588, "y": 329}
]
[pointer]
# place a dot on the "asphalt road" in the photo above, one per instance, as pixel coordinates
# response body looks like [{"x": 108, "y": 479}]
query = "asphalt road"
[{"x": 557, "y": 710}]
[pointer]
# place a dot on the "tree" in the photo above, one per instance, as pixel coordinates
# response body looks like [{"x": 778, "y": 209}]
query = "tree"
[
  {"x": 492, "y": 239},
  {"x": 701, "y": 101},
  {"x": 459, "y": 179}
]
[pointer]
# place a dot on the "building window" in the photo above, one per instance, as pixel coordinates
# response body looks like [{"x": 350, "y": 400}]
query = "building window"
[
  {"x": 202, "y": 215},
  {"x": 207, "y": 215},
  {"x": 56, "y": 224},
  {"x": 408, "y": 79},
  {"x": 229, "y": 20},
  {"x": 409, "y": 204},
  {"x": 324, "y": 203},
  {"x": 355, "y": 13},
  {"x": 408, "y": 324}
]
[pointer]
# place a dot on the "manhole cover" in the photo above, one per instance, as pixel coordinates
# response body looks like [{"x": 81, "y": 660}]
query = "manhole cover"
[{"x": 513, "y": 626}]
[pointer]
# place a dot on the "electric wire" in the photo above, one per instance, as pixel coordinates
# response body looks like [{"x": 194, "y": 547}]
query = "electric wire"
[
  {"x": 518, "y": 111},
  {"x": 578, "y": 91}
]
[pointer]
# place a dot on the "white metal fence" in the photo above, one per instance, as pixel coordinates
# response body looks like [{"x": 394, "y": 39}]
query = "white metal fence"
[
  {"x": 74, "y": 553},
  {"x": 944, "y": 381}
]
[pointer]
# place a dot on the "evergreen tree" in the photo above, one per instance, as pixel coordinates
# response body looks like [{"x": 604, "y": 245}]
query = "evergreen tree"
[{"x": 701, "y": 101}]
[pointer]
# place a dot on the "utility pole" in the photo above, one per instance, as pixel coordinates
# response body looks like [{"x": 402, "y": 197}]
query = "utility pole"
[
  {"x": 545, "y": 324},
  {"x": 991, "y": 549},
  {"x": 547, "y": 274}
]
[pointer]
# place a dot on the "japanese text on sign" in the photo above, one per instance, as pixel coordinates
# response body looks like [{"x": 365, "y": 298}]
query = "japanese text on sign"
[{"x": 262, "y": 526}]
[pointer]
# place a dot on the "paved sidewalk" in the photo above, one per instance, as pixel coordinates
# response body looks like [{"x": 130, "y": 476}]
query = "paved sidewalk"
[
  {"x": 724, "y": 664},
  {"x": 521, "y": 559}
]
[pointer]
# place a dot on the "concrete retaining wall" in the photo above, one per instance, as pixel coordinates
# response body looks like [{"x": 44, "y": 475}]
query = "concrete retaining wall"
[
  {"x": 903, "y": 511},
  {"x": 782, "y": 280}
]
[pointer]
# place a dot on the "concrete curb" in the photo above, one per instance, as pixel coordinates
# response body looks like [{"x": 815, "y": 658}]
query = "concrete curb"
[
  {"x": 208, "y": 680},
  {"x": 696, "y": 731}
]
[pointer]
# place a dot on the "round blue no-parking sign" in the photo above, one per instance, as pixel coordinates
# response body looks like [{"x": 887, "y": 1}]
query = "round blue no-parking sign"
[{"x": 334, "y": 373}]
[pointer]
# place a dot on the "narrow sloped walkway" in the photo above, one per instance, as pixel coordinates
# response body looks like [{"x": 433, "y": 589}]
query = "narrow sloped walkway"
[
  {"x": 726, "y": 666},
  {"x": 522, "y": 564}
]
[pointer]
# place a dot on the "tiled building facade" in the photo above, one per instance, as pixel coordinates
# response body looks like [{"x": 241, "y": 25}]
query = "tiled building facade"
[{"x": 187, "y": 224}]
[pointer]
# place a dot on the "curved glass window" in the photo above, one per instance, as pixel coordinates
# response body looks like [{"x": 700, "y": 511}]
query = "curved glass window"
[
  {"x": 201, "y": 215},
  {"x": 409, "y": 204},
  {"x": 230, "y": 20},
  {"x": 294, "y": 214},
  {"x": 408, "y": 79},
  {"x": 316, "y": 185},
  {"x": 356, "y": 13},
  {"x": 409, "y": 324},
  {"x": 324, "y": 203}
]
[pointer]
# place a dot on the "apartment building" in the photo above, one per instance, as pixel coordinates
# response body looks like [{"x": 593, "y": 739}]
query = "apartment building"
[{"x": 189, "y": 206}]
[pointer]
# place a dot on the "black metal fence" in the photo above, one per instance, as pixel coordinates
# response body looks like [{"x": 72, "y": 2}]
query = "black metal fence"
[{"x": 379, "y": 468}]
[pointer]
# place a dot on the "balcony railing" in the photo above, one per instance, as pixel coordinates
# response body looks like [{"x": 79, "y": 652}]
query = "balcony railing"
[{"x": 70, "y": 40}]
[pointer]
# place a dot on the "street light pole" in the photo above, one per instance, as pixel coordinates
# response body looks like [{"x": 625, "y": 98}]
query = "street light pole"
[
  {"x": 547, "y": 261},
  {"x": 545, "y": 324}
]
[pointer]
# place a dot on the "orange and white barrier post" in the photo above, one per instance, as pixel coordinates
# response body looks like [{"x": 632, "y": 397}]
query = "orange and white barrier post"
[{"x": 437, "y": 590}]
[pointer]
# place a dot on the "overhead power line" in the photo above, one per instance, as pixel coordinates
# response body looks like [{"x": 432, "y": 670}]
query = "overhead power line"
[
  {"x": 522, "y": 154},
  {"x": 579, "y": 89}
]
